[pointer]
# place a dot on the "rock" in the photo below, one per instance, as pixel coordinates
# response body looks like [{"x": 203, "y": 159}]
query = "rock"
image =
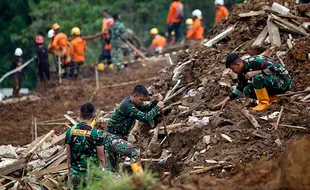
[{"x": 207, "y": 139}]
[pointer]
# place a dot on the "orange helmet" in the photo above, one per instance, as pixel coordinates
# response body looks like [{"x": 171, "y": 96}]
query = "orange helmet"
[{"x": 39, "y": 40}]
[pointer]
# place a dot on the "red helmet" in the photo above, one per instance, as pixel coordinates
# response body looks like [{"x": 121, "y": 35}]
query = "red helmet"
[{"x": 39, "y": 40}]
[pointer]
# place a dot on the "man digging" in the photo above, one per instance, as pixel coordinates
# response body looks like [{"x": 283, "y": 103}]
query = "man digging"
[{"x": 258, "y": 78}]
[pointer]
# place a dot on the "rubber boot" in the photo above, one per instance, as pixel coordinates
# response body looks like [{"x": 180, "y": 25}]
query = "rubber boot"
[
  {"x": 136, "y": 168},
  {"x": 111, "y": 67},
  {"x": 273, "y": 99},
  {"x": 263, "y": 99}
]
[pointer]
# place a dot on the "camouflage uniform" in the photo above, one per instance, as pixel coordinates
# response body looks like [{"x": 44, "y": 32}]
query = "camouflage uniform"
[
  {"x": 119, "y": 47},
  {"x": 274, "y": 77},
  {"x": 120, "y": 124},
  {"x": 83, "y": 140}
]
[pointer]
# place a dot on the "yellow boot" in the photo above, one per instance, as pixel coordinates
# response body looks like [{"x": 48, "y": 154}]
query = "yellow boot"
[
  {"x": 111, "y": 67},
  {"x": 136, "y": 168},
  {"x": 273, "y": 99},
  {"x": 263, "y": 99},
  {"x": 100, "y": 66}
]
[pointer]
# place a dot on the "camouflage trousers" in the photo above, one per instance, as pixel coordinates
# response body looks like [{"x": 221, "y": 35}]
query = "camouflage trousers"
[
  {"x": 77, "y": 181},
  {"x": 117, "y": 147},
  {"x": 118, "y": 52},
  {"x": 273, "y": 84}
]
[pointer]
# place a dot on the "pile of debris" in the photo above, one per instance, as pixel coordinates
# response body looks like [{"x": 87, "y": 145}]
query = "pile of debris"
[
  {"x": 203, "y": 141},
  {"x": 40, "y": 163}
]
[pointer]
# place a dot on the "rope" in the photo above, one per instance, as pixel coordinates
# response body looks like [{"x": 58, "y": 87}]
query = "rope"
[{"x": 16, "y": 70}]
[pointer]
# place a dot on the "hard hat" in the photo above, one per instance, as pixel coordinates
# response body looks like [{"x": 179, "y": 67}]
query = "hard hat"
[
  {"x": 75, "y": 31},
  {"x": 55, "y": 26},
  {"x": 197, "y": 13},
  {"x": 51, "y": 33},
  {"x": 189, "y": 21},
  {"x": 39, "y": 40},
  {"x": 219, "y": 2},
  {"x": 154, "y": 31},
  {"x": 100, "y": 66},
  {"x": 18, "y": 52}
]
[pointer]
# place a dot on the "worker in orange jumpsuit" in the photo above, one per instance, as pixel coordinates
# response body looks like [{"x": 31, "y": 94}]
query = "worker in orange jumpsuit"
[
  {"x": 59, "y": 46},
  {"x": 195, "y": 34},
  {"x": 174, "y": 19},
  {"x": 106, "y": 45},
  {"x": 158, "y": 43},
  {"x": 221, "y": 11},
  {"x": 78, "y": 48}
]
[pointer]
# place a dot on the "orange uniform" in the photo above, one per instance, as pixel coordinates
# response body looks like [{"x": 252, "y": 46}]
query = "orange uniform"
[
  {"x": 221, "y": 13},
  {"x": 106, "y": 22},
  {"x": 196, "y": 31},
  {"x": 175, "y": 13},
  {"x": 59, "y": 44},
  {"x": 78, "y": 48},
  {"x": 159, "y": 41}
]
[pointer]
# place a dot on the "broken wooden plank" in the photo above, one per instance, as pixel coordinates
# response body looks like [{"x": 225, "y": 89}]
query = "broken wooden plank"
[
  {"x": 294, "y": 93},
  {"x": 295, "y": 28},
  {"x": 292, "y": 126},
  {"x": 251, "y": 13},
  {"x": 13, "y": 166},
  {"x": 57, "y": 141},
  {"x": 48, "y": 135},
  {"x": 279, "y": 118},
  {"x": 227, "y": 138},
  {"x": 289, "y": 42},
  {"x": 251, "y": 118},
  {"x": 219, "y": 37},
  {"x": 274, "y": 34},
  {"x": 261, "y": 38},
  {"x": 50, "y": 170},
  {"x": 205, "y": 169},
  {"x": 70, "y": 119},
  {"x": 58, "y": 161}
]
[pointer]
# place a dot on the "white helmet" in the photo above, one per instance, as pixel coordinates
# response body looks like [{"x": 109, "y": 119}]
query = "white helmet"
[
  {"x": 197, "y": 13},
  {"x": 51, "y": 33},
  {"x": 18, "y": 52},
  {"x": 219, "y": 2}
]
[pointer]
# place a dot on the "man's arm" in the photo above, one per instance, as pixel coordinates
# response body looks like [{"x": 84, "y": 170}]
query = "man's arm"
[
  {"x": 101, "y": 156},
  {"x": 143, "y": 116},
  {"x": 68, "y": 158},
  {"x": 147, "y": 107}
]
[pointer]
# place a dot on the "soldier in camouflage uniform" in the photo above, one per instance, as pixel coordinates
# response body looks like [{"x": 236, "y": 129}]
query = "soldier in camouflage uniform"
[
  {"x": 119, "y": 47},
  {"x": 259, "y": 78},
  {"x": 84, "y": 143},
  {"x": 123, "y": 119}
]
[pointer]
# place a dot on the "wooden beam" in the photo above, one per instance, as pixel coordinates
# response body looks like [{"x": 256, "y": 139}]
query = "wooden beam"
[
  {"x": 19, "y": 164},
  {"x": 251, "y": 118},
  {"x": 219, "y": 37},
  {"x": 48, "y": 135},
  {"x": 293, "y": 27},
  {"x": 274, "y": 34},
  {"x": 57, "y": 141},
  {"x": 50, "y": 170},
  {"x": 261, "y": 38},
  {"x": 251, "y": 13}
]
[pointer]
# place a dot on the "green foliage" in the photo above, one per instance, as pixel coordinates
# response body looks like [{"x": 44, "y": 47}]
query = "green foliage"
[{"x": 100, "y": 180}]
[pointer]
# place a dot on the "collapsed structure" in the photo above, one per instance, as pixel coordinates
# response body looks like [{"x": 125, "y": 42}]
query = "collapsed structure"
[{"x": 202, "y": 141}]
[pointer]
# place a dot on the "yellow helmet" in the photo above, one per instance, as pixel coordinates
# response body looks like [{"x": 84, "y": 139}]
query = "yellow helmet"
[
  {"x": 189, "y": 21},
  {"x": 100, "y": 66},
  {"x": 55, "y": 26},
  {"x": 154, "y": 31},
  {"x": 75, "y": 31}
]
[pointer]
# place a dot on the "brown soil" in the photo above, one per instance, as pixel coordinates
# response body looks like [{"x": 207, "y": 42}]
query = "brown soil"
[{"x": 58, "y": 99}]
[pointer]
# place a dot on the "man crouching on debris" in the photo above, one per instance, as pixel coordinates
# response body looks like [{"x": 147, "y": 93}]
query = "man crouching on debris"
[
  {"x": 258, "y": 78},
  {"x": 83, "y": 143},
  {"x": 121, "y": 122}
]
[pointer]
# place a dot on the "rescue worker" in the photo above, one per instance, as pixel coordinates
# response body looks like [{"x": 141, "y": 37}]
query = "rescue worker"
[
  {"x": 59, "y": 47},
  {"x": 106, "y": 45},
  {"x": 17, "y": 77},
  {"x": 84, "y": 143},
  {"x": 221, "y": 11},
  {"x": 258, "y": 78},
  {"x": 42, "y": 62},
  {"x": 78, "y": 48},
  {"x": 158, "y": 43},
  {"x": 174, "y": 20},
  {"x": 132, "y": 108},
  {"x": 195, "y": 33},
  {"x": 118, "y": 44}
]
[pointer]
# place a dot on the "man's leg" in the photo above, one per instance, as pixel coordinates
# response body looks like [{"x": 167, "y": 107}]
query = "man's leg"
[
  {"x": 177, "y": 31},
  {"x": 169, "y": 30},
  {"x": 123, "y": 148},
  {"x": 249, "y": 92}
]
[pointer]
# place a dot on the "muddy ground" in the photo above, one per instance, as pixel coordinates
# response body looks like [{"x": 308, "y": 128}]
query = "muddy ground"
[{"x": 58, "y": 99}]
